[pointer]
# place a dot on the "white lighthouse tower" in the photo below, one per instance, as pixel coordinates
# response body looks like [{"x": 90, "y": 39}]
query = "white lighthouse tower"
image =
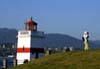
[{"x": 25, "y": 45}]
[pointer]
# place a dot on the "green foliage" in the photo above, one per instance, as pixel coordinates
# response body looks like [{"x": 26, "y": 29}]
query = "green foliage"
[{"x": 66, "y": 60}]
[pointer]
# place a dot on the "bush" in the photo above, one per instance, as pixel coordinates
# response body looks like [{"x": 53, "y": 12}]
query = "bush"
[{"x": 25, "y": 61}]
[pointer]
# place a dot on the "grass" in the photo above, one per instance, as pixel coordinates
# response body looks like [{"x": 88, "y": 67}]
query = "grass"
[{"x": 66, "y": 60}]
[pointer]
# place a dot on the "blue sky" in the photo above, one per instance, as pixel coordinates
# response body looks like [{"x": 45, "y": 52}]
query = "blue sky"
[{"x": 70, "y": 17}]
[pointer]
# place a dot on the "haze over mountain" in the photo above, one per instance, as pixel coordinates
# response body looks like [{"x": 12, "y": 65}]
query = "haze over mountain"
[{"x": 49, "y": 40}]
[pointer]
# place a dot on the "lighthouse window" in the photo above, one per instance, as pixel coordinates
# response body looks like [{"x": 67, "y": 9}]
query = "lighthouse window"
[
  {"x": 23, "y": 33},
  {"x": 34, "y": 27}
]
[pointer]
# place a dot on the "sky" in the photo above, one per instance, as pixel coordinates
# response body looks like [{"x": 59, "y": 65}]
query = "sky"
[{"x": 70, "y": 17}]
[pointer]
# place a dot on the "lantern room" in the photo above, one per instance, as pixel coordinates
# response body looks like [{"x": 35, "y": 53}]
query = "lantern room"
[{"x": 31, "y": 25}]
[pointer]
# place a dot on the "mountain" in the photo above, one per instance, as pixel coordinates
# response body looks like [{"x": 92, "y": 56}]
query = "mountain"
[
  {"x": 97, "y": 42},
  {"x": 8, "y": 35},
  {"x": 61, "y": 40},
  {"x": 52, "y": 40}
]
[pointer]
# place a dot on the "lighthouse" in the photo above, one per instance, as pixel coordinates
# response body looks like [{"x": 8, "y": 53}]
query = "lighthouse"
[{"x": 25, "y": 44}]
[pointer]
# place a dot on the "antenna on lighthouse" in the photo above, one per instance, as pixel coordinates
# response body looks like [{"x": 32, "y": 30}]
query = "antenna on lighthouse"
[{"x": 31, "y": 19}]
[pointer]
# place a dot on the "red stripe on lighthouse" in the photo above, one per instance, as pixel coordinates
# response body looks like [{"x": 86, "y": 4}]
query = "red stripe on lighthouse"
[{"x": 20, "y": 50}]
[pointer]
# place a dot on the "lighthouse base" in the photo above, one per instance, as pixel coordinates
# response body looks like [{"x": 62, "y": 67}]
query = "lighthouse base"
[{"x": 21, "y": 57}]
